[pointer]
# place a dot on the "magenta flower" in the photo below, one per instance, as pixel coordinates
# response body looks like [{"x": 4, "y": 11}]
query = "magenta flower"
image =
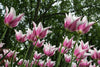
[
  {"x": 99, "y": 62},
  {"x": 37, "y": 55},
  {"x": 20, "y": 62},
  {"x": 6, "y": 63},
  {"x": 38, "y": 43},
  {"x": 41, "y": 63},
  {"x": 49, "y": 50},
  {"x": 68, "y": 43},
  {"x": 26, "y": 63},
  {"x": 67, "y": 58},
  {"x": 74, "y": 64},
  {"x": 63, "y": 49},
  {"x": 50, "y": 63},
  {"x": 85, "y": 27},
  {"x": 11, "y": 19},
  {"x": 40, "y": 31},
  {"x": 71, "y": 22},
  {"x": 20, "y": 36},
  {"x": 1, "y": 44}
]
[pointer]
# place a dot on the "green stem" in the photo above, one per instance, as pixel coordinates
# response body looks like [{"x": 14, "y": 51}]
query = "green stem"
[
  {"x": 72, "y": 55},
  {"x": 59, "y": 58},
  {"x": 3, "y": 34}
]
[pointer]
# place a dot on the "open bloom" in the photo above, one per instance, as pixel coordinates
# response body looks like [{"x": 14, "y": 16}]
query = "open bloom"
[
  {"x": 85, "y": 26},
  {"x": 50, "y": 63},
  {"x": 1, "y": 44},
  {"x": 67, "y": 58},
  {"x": 49, "y": 50},
  {"x": 11, "y": 19},
  {"x": 20, "y": 36},
  {"x": 71, "y": 22},
  {"x": 20, "y": 62},
  {"x": 37, "y": 56},
  {"x": 38, "y": 43},
  {"x": 41, "y": 63},
  {"x": 68, "y": 43}
]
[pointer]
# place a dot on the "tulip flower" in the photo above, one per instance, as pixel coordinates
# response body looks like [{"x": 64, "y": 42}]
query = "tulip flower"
[
  {"x": 26, "y": 63},
  {"x": 38, "y": 43},
  {"x": 49, "y": 50},
  {"x": 20, "y": 62},
  {"x": 20, "y": 36},
  {"x": 37, "y": 56},
  {"x": 74, "y": 64},
  {"x": 71, "y": 22},
  {"x": 85, "y": 27},
  {"x": 50, "y": 63},
  {"x": 6, "y": 63},
  {"x": 1, "y": 44},
  {"x": 68, "y": 43},
  {"x": 11, "y": 19},
  {"x": 67, "y": 58},
  {"x": 41, "y": 63}
]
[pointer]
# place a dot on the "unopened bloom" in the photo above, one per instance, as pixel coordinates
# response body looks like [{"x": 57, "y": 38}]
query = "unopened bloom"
[
  {"x": 26, "y": 63},
  {"x": 20, "y": 36},
  {"x": 68, "y": 43},
  {"x": 71, "y": 22},
  {"x": 50, "y": 63},
  {"x": 74, "y": 64},
  {"x": 85, "y": 26},
  {"x": 67, "y": 58},
  {"x": 49, "y": 50},
  {"x": 20, "y": 62},
  {"x": 1, "y": 44},
  {"x": 37, "y": 55},
  {"x": 38, "y": 43},
  {"x": 11, "y": 19},
  {"x": 63, "y": 49}
]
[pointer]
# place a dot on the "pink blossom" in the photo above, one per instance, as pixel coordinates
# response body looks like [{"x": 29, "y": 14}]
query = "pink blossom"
[
  {"x": 49, "y": 50},
  {"x": 74, "y": 64},
  {"x": 71, "y": 22},
  {"x": 50, "y": 63},
  {"x": 68, "y": 43},
  {"x": 6, "y": 63},
  {"x": 26, "y": 63},
  {"x": 1, "y": 44},
  {"x": 85, "y": 27},
  {"x": 11, "y": 19},
  {"x": 99, "y": 62},
  {"x": 20, "y": 36},
  {"x": 63, "y": 49},
  {"x": 41, "y": 63},
  {"x": 67, "y": 58},
  {"x": 38, "y": 43},
  {"x": 37, "y": 56},
  {"x": 20, "y": 62}
]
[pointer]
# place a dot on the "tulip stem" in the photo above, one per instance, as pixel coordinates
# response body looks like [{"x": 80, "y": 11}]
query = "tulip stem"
[
  {"x": 3, "y": 34},
  {"x": 72, "y": 53},
  {"x": 59, "y": 57}
]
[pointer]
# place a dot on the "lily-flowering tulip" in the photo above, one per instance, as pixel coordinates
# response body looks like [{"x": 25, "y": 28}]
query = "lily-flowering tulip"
[
  {"x": 6, "y": 63},
  {"x": 38, "y": 43},
  {"x": 84, "y": 63},
  {"x": 40, "y": 31},
  {"x": 85, "y": 27},
  {"x": 67, "y": 58},
  {"x": 49, "y": 50},
  {"x": 20, "y": 62},
  {"x": 37, "y": 55},
  {"x": 20, "y": 36},
  {"x": 68, "y": 43},
  {"x": 63, "y": 49},
  {"x": 71, "y": 22},
  {"x": 50, "y": 63},
  {"x": 41, "y": 63},
  {"x": 11, "y": 19},
  {"x": 26, "y": 63},
  {"x": 74, "y": 64},
  {"x": 1, "y": 44}
]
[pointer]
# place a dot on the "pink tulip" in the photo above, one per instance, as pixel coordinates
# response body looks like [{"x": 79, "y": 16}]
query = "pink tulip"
[
  {"x": 63, "y": 49},
  {"x": 99, "y": 62},
  {"x": 38, "y": 43},
  {"x": 71, "y": 22},
  {"x": 49, "y": 50},
  {"x": 6, "y": 63},
  {"x": 20, "y": 36},
  {"x": 11, "y": 19},
  {"x": 1, "y": 44},
  {"x": 68, "y": 43},
  {"x": 37, "y": 56},
  {"x": 74, "y": 64},
  {"x": 50, "y": 63},
  {"x": 41, "y": 63},
  {"x": 85, "y": 27},
  {"x": 67, "y": 58},
  {"x": 26, "y": 63},
  {"x": 20, "y": 62}
]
